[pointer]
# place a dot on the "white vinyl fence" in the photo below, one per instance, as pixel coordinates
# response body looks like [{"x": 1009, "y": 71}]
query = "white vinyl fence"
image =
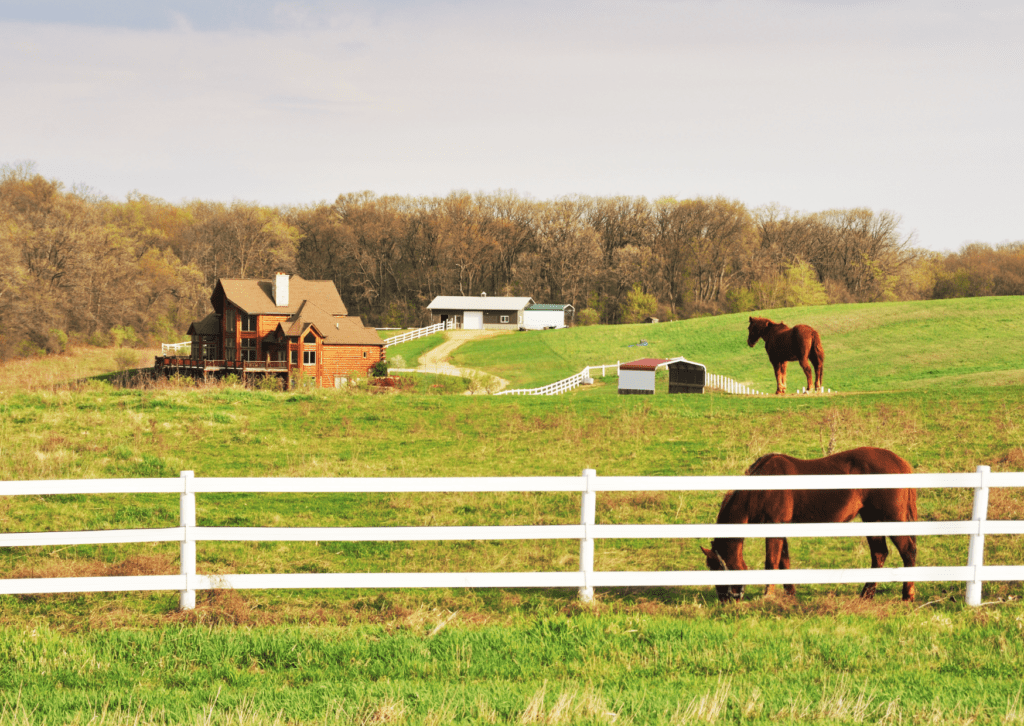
[
  {"x": 712, "y": 380},
  {"x": 418, "y": 333},
  {"x": 729, "y": 385},
  {"x": 552, "y": 389},
  {"x": 188, "y": 534},
  {"x": 176, "y": 348}
]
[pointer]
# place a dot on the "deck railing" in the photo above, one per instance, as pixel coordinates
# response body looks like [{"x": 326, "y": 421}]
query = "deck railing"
[{"x": 231, "y": 365}]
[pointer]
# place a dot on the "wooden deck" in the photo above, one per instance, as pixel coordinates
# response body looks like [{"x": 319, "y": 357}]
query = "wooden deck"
[{"x": 193, "y": 366}]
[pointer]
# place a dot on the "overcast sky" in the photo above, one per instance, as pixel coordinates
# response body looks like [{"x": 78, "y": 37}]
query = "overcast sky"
[{"x": 915, "y": 107}]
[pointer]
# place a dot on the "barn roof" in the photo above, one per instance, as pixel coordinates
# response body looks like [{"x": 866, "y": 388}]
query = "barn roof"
[
  {"x": 644, "y": 364},
  {"x": 457, "y": 302},
  {"x": 650, "y": 364}
]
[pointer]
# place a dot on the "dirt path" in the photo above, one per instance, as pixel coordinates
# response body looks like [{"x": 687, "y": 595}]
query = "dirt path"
[{"x": 437, "y": 359}]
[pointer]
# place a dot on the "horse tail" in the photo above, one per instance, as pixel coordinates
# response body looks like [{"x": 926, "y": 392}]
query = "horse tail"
[
  {"x": 817, "y": 355},
  {"x": 912, "y": 505}
]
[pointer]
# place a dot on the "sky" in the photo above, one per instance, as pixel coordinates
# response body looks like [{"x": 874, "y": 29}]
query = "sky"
[{"x": 915, "y": 107}]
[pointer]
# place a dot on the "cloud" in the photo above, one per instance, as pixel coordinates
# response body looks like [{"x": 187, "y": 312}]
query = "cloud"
[{"x": 907, "y": 106}]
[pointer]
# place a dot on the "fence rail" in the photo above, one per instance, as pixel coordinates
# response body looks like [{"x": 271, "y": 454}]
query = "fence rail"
[
  {"x": 175, "y": 348},
  {"x": 188, "y": 534},
  {"x": 418, "y": 333},
  {"x": 712, "y": 380}
]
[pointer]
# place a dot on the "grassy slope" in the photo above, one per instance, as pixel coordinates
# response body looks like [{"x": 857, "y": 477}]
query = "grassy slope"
[
  {"x": 515, "y": 656},
  {"x": 868, "y": 347}
]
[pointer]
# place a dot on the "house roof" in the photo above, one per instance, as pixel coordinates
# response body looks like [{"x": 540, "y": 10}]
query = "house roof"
[
  {"x": 210, "y": 325},
  {"x": 456, "y": 302},
  {"x": 257, "y": 296},
  {"x": 334, "y": 329}
]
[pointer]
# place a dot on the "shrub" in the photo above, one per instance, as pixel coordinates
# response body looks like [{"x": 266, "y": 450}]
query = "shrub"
[
  {"x": 59, "y": 341},
  {"x": 269, "y": 383},
  {"x": 124, "y": 335},
  {"x": 379, "y": 369},
  {"x": 125, "y": 359},
  {"x": 588, "y": 316}
]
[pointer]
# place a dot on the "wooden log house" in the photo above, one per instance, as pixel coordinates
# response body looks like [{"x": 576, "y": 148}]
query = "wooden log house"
[{"x": 287, "y": 327}]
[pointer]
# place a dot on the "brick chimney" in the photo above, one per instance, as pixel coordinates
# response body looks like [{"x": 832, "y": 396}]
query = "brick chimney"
[{"x": 281, "y": 290}]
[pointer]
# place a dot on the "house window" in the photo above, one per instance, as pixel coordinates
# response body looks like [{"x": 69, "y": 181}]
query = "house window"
[
  {"x": 249, "y": 349},
  {"x": 229, "y": 350},
  {"x": 310, "y": 338},
  {"x": 364, "y": 354},
  {"x": 248, "y": 323},
  {"x": 295, "y": 357},
  {"x": 309, "y": 357},
  {"x": 229, "y": 320},
  {"x": 504, "y": 318}
]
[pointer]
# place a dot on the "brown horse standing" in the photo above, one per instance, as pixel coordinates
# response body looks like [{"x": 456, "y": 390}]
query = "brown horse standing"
[
  {"x": 825, "y": 505},
  {"x": 784, "y": 343}
]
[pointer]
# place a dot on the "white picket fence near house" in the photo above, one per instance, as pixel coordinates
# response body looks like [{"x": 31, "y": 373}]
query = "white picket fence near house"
[
  {"x": 176, "y": 348},
  {"x": 589, "y": 484},
  {"x": 418, "y": 333}
]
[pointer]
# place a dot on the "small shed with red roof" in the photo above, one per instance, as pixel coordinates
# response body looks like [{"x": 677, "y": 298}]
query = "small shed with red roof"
[{"x": 637, "y": 377}]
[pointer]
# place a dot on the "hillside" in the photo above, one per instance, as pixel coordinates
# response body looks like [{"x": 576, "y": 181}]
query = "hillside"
[{"x": 868, "y": 347}]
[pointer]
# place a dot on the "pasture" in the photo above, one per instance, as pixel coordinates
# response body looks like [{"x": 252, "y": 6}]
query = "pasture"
[{"x": 940, "y": 383}]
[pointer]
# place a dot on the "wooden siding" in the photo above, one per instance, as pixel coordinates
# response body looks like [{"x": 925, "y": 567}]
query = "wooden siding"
[{"x": 348, "y": 360}]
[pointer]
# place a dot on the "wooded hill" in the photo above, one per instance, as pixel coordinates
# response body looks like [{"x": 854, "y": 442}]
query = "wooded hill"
[{"x": 78, "y": 266}]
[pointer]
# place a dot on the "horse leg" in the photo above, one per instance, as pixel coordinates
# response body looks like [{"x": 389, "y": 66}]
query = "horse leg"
[
  {"x": 879, "y": 551},
  {"x": 784, "y": 565},
  {"x": 907, "y": 547},
  {"x": 773, "y": 553},
  {"x": 808, "y": 371},
  {"x": 780, "y": 378}
]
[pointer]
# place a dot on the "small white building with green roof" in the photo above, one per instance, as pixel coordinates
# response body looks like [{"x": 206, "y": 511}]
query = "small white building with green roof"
[{"x": 542, "y": 316}]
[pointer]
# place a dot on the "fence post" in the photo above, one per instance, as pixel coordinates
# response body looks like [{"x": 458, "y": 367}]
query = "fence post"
[
  {"x": 187, "y": 520},
  {"x": 588, "y": 518},
  {"x": 976, "y": 547}
]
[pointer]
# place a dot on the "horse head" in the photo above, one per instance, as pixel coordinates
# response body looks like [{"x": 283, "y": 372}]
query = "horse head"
[
  {"x": 726, "y": 554},
  {"x": 756, "y": 330}
]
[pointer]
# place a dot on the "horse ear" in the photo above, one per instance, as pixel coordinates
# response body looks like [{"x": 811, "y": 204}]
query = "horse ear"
[{"x": 707, "y": 552}]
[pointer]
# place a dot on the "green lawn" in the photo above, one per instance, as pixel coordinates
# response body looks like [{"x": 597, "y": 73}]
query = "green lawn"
[
  {"x": 868, "y": 347},
  {"x": 637, "y": 656}
]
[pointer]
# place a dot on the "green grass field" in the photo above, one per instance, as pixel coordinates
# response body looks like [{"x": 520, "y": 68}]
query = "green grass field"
[{"x": 938, "y": 382}]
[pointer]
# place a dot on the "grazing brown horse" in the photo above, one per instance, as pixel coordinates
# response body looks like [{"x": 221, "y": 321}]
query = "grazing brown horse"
[
  {"x": 784, "y": 343},
  {"x": 824, "y": 505}
]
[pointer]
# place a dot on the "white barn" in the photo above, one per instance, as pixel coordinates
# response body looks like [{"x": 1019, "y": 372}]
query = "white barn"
[{"x": 496, "y": 313}]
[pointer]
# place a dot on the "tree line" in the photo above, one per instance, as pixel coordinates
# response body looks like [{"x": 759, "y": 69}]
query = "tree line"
[{"x": 75, "y": 266}]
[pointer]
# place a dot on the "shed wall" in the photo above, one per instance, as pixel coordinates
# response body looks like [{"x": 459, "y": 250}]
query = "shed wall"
[
  {"x": 540, "y": 319},
  {"x": 636, "y": 381}
]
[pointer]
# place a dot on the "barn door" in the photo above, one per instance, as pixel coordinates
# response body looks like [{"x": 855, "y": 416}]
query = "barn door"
[{"x": 474, "y": 320}]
